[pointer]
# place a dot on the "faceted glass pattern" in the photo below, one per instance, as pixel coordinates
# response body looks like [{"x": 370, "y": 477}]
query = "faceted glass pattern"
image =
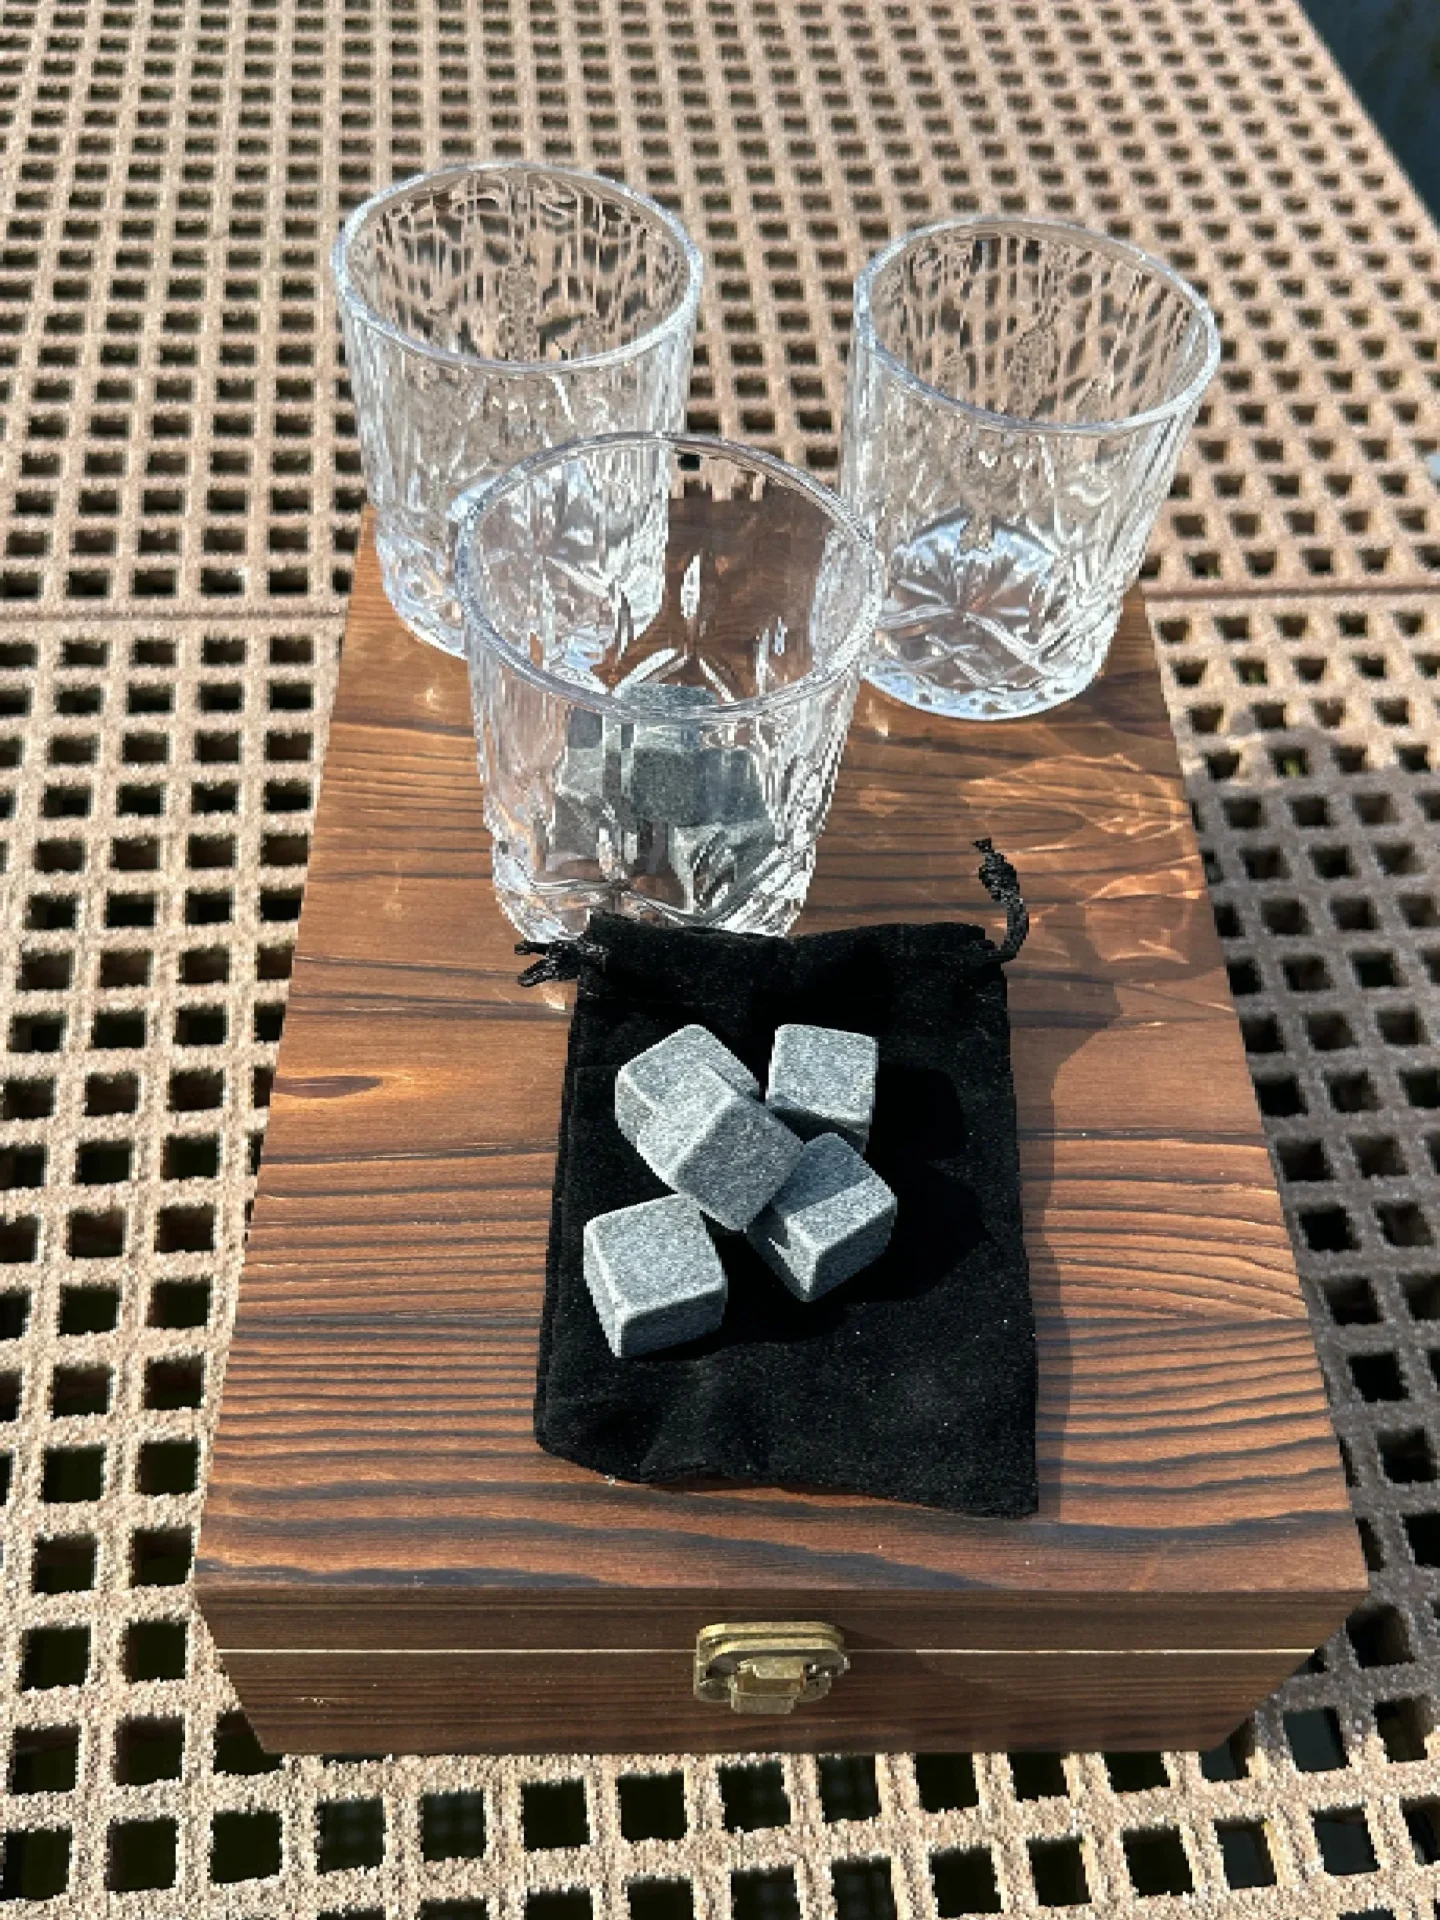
[
  {"x": 1018, "y": 396},
  {"x": 491, "y": 311},
  {"x": 665, "y": 636}
]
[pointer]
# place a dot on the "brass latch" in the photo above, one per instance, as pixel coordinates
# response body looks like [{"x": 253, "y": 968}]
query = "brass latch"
[{"x": 768, "y": 1666}]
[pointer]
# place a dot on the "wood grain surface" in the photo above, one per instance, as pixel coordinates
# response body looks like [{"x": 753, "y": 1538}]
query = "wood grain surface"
[{"x": 376, "y": 1486}]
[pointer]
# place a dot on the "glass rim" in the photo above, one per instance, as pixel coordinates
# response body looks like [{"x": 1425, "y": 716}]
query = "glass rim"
[
  {"x": 355, "y": 303},
  {"x": 978, "y": 223},
  {"x": 484, "y": 497}
]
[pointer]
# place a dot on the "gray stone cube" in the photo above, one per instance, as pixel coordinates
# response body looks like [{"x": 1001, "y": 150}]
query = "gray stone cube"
[
  {"x": 655, "y": 1078},
  {"x": 654, "y": 1275},
  {"x": 723, "y": 1148},
  {"x": 822, "y": 1080},
  {"x": 832, "y": 1217}
]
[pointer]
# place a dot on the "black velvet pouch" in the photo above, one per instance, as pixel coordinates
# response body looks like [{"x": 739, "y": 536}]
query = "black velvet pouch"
[{"x": 916, "y": 1379}]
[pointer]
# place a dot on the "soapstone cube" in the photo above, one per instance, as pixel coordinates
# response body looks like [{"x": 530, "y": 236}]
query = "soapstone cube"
[
  {"x": 724, "y": 1149},
  {"x": 822, "y": 1080},
  {"x": 654, "y": 1275},
  {"x": 654, "y": 1078},
  {"x": 832, "y": 1217}
]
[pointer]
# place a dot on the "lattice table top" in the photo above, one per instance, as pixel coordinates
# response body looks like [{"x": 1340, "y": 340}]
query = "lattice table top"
[{"x": 179, "y": 498}]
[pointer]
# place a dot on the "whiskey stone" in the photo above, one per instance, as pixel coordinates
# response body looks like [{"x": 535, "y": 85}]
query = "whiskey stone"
[
  {"x": 822, "y": 1080},
  {"x": 724, "y": 1149},
  {"x": 832, "y": 1217},
  {"x": 654, "y": 1275},
  {"x": 655, "y": 1078}
]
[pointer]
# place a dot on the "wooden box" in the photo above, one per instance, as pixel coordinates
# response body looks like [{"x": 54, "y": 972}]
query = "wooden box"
[{"x": 389, "y": 1562}]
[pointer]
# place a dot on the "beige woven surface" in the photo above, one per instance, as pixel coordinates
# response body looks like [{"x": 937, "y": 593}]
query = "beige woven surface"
[{"x": 178, "y": 505}]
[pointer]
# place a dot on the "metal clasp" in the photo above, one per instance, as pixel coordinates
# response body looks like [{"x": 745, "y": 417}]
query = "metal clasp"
[{"x": 768, "y": 1666}]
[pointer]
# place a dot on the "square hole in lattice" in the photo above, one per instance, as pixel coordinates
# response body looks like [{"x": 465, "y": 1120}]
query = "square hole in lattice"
[
  {"x": 945, "y": 1780},
  {"x": 863, "y": 1889},
  {"x": 1422, "y": 1819},
  {"x": 22, "y": 1166},
  {"x": 1157, "y": 1861},
  {"x": 452, "y": 1826},
  {"x": 44, "y": 1759},
  {"x": 1403, "y": 1726},
  {"x": 1379, "y": 1637},
  {"x": 764, "y": 1894},
  {"x": 88, "y": 1309},
  {"x": 1231, "y": 1759},
  {"x": 1314, "y": 1739},
  {"x": 754, "y": 1797},
  {"x": 1344, "y": 1839},
  {"x": 54, "y": 1657},
  {"x": 185, "y": 1229},
  {"x": 1038, "y": 1776},
  {"x": 1352, "y": 1092},
  {"x": 848, "y": 1786},
  {"x": 652, "y": 1806},
  {"x": 1351, "y": 1300},
  {"x": 124, "y": 969},
  {"x": 196, "y": 1092},
  {"x": 27, "y": 1099},
  {"x": 1422, "y": 1534},
  {"x": 171, "y": 1383},
  {"x": 179, "y": 1303},
  {"x": 168, "y": 1467},
  {"x": 1403, "y": 1224},
  {"x": 37, "y": 1863},
  {"x": 107, "y": 1093},
  {"x": 80, "y": 1390},
  {"x": 964, "y": 1882},
  {"x": 14, "y": 1313},
  {"x": 1327, "y": 1230},
  {"x": 1245, "y": 1852},
  {"x": 244, "y": 1846},
  {"x": 19, "y": 1240},
  {"x": 155, "y": 1650},
  {"x": 1407, "y": 1456},
  {"x": 204, "y": 966},
  {"x": 70, "y": 1474},
  {"x": 1378, "y": 1157},
  {"x": 553, "y": 1814},
  {"x": 160, "y": 1556},
  {"x": 1058, "y": 1869},
  {"x": 660, "y": 1900},
  {"x": 349, "y": 1833},
  {"x": 96, "y": 1236},
  {"x": 1377, "y": 1376},
  {"x": 1136, "y": 1772},
  {"x": 236, "y": 1749},
  {"x": 64, "y": 1564},
  {"x": 103, "y": 1163},
  {"x": 149, "y": 1750},
  {"x": 191, "y": 1156},
  {"x": 1280, "y": 1098}
]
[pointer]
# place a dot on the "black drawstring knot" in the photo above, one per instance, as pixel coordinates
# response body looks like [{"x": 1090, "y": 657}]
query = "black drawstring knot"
[{"x": 560, "y": 959}]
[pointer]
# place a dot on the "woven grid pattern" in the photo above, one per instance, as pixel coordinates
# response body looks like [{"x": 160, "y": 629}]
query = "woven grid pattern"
[{"x": 179, "y": 496}]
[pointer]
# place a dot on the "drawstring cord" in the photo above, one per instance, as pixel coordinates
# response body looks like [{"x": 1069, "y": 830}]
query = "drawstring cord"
[
  {"x": 1002, "y": 883},
  {"x": 564, "y": 959},
  {"x": 559, "y": 959}
]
